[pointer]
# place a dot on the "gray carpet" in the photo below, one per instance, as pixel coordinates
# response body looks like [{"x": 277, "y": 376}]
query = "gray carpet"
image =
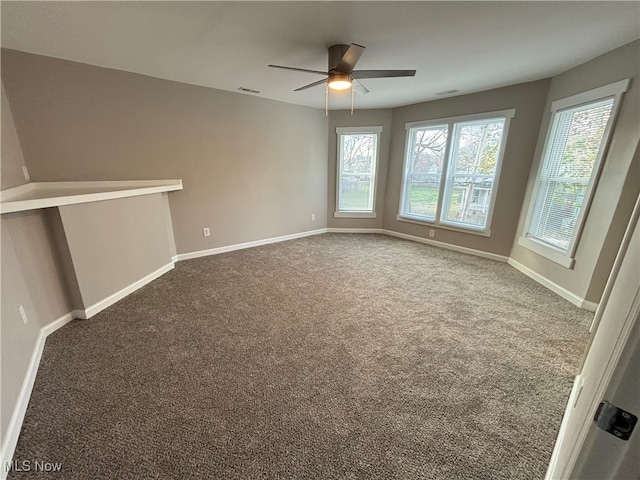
[{"x": 335, "y": 356}]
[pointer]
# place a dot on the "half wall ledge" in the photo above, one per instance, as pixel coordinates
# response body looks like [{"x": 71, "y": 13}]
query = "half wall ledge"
[
  {"x": 113, "y": 236},
  {"x": 35, "y": 195}
]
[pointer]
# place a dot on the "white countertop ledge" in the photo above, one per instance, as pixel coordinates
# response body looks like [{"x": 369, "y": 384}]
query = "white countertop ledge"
[{"x": 35, "y": 195}]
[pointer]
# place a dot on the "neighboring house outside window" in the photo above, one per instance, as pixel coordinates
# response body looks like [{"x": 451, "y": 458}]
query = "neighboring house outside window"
[
  {"x": 451, "y": 171},
  {"x": 572, "y": 158},
  {"x": 357, "y": 171}
]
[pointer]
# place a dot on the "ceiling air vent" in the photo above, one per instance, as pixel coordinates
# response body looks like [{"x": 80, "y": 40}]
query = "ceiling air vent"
[
  {"x": 248, "y": 90},
  {"x": 447, "y": 92}
]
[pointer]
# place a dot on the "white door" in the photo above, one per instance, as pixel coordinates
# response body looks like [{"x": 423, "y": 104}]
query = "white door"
[{"x": 582, "y": 450}]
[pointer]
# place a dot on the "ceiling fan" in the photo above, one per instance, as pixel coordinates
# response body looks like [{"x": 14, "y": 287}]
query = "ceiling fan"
[{"x": 341, "y": 74}]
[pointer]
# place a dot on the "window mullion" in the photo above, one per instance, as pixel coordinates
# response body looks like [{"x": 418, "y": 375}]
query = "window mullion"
[
  {"x": 408, "y": 170},
  {"x": 340, "y": 169},
  {"x": 444, "y": 178},
  {"x": 372, "y": 175}
]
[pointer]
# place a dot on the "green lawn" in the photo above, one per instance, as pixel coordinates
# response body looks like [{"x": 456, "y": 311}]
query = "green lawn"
[
  {"x": 354, "y": 200},
  {"x": 423, "y": 200}
]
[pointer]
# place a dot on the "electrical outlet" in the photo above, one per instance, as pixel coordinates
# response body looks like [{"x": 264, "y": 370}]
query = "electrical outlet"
[
  {"x": 25, "y": 172},
  {"x": 313, "y": 217},
  {"x": 23, "y": 314},
  {"x": 206, "y": 232},
  {"x": 432, "y": 233}
]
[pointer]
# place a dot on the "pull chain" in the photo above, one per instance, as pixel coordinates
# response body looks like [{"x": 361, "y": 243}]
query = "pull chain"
[
  {"x": 326, "y": 100},
  {"x": 352, "y": 90}
]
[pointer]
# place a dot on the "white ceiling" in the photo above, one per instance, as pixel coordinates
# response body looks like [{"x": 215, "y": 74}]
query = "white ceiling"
[{"x": 468, "y": 46}]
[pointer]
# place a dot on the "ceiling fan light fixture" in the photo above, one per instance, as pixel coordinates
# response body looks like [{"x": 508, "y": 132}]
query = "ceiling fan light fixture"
[{"x": 339, "y": 81}]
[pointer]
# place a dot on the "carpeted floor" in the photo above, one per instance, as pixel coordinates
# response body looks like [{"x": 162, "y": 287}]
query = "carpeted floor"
[{"x": 335, "y": 356}]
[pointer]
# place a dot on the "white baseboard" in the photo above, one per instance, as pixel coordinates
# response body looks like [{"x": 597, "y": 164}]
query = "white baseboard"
[
  {"x": 554, "y": 287},
  {"x": 17, "y": 417},
  {"x": 240, "y": 246},
  {"x": 580, "y": 302},
  {"x": 15, "y": 423},
  {"x": 448, "y": 246},
  {"x": 111, "y": 299},
  {"x": 354, "y": 230},
  {"x": 255, "y": 243}
]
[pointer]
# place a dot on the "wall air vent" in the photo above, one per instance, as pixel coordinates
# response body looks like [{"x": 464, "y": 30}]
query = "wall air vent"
[
  {"x": 248, "y": 90},
  {"x": 447, "y": 92}
]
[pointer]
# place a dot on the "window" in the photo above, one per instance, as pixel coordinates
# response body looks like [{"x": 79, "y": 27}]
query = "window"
[
  {"x": 578, "y": 135},
  {"x": 451, "y": 168},
  {"x": 357, "y": 169}
]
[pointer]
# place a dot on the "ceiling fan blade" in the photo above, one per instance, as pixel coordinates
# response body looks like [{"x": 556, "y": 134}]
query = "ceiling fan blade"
[
  {"x": 299, "y": 69},
  {"x": 359, "y": 87},
  {"x": 319, "y": 82},
  {"x": 382, "y": 73},
  {"x": 348, "y": 61}
]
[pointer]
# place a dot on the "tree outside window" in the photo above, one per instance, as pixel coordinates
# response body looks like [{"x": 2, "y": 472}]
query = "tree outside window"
[{"x": 357, "y": 168}]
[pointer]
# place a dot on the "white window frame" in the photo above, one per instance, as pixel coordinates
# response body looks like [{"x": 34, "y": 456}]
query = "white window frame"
[
  {"x": 557, "y": 254},
  {"x": 445, "y": 181},
  {"x": 377, "y": 130}
]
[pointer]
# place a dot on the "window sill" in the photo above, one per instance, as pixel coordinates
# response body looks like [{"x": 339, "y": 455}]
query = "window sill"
[
  {"x": 550, "y": 253},
  {"x": 354, "y": 215},
  {"x": 473, "y": 231}
]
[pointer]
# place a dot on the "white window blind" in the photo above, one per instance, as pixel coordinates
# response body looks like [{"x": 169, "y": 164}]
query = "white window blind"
[{"x": 573, "y": 149}]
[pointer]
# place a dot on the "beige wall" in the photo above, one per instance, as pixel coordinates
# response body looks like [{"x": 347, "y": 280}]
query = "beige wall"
[
  {"x": 360, "y": 118},
  {"x": 251, "y": 168},
  {"x": 611, "y": 208},
  {"x": 11, "y": 174},
  {"x": 59, "y": 238},
  {"x": 17, "y": 340},
  {"x": 528, "y": 100},
  {"x": 29, "y": 276},
  {"x": 115, "y": 243}
]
